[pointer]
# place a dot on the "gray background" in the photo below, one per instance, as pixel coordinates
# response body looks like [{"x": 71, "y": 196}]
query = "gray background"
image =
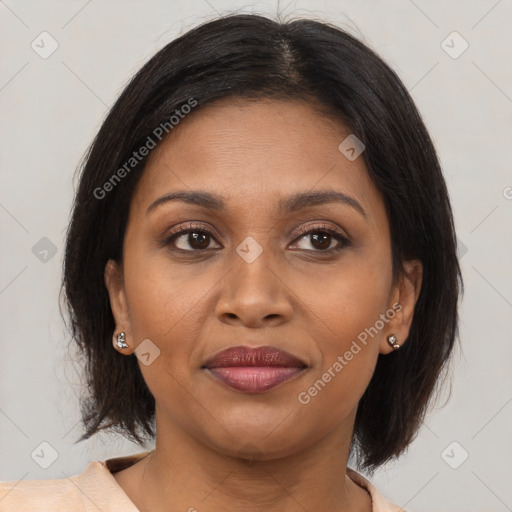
[{"x": 52, "y": 107}]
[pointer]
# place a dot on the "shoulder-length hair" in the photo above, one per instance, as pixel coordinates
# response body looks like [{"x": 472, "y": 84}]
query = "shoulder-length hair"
[{"x": 254, "y": 57}]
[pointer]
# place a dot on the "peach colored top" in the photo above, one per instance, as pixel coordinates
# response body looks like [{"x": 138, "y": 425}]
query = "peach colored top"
[{"x": 96, "y": 489}]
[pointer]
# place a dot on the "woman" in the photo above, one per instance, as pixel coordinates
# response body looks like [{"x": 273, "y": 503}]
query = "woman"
[{"x": 261, "y": 273}]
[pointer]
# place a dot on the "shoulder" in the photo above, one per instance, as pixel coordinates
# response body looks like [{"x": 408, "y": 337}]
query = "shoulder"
[
  {"x": 46, "y": 495},
  {"x": 95, "y": 488},
  {"x": 379, "y": 502}
]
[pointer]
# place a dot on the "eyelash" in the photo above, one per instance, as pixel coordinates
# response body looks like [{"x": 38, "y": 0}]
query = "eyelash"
[{"x": 302, "y": 232}]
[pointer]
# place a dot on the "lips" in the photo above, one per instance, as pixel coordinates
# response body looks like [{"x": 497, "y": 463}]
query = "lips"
[{"x": 253, "y": 370}]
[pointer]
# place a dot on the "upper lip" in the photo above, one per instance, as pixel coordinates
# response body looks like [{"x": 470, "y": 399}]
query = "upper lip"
[{"x": 249, "y": 356}]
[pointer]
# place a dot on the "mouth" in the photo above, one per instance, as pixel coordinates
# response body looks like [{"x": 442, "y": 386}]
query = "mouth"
[{"x": 254, "y": 370}]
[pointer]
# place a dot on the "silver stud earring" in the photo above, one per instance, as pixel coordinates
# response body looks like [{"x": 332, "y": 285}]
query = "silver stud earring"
[
  {"x": 392, "y": 340},
  {"x": 121, "y": 340}
]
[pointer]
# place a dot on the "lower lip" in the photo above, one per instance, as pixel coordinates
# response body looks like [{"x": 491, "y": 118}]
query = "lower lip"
[{"x": 254, "y": 379}]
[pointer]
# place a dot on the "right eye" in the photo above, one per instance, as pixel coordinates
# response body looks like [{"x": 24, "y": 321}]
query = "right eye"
[{"x": 189, "y": 238}]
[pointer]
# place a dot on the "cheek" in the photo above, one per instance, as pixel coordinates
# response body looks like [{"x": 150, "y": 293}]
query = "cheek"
[
  {"x": 347, "y": 333},
  {"x": 347, "y": 360},
  {"x": 350, "y": 300},
  {"x": 164, "y": 304}
]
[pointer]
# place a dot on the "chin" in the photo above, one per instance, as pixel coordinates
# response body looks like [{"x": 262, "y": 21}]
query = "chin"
[{"x": 263, "y": 437}]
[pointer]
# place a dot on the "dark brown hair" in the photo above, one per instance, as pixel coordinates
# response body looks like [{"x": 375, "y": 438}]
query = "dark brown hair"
[{"x": 251, "y": 56}]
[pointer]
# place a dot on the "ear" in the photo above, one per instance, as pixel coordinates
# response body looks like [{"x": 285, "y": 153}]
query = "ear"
[
  {"x": 114, "y": 282},
  {"x": 403, "y": 299}
]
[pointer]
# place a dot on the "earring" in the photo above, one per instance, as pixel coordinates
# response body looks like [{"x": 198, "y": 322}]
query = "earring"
[
  {"x": 121, "y": 340},
  {"x": 392, "y": 340}
]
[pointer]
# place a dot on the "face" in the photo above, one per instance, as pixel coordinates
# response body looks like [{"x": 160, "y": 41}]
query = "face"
[{"x": 288, "y": 246}]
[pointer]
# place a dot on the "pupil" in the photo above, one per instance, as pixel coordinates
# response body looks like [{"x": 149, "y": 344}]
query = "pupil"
[
  {"x": 322, "y": 238},
  {"x": 199, "y": 240}
]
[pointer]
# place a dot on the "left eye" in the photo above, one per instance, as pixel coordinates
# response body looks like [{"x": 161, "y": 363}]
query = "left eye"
[{"x": 323, "y": 239}]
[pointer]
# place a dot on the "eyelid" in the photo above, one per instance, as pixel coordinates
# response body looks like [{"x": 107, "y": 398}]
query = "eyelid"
[
  {"x": 189, "y": 226},
  {"x": 321, "y": 228}
]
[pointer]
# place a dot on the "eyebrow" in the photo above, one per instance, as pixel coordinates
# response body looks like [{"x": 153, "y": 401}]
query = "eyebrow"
[{"x": 292, "y": 203}]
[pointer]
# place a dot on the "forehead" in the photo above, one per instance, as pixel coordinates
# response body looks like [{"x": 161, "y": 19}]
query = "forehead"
[{"x": 255, "y": 152}]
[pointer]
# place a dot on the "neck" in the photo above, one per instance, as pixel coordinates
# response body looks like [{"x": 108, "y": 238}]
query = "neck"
[{"x": 188, "y": 475}]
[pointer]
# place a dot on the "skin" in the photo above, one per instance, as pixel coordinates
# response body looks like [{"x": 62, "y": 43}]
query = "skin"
[{"x": 218, "y": 448}]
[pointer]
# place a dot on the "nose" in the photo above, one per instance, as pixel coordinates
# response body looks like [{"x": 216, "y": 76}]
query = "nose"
[{"x": 254, "y": 294}]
